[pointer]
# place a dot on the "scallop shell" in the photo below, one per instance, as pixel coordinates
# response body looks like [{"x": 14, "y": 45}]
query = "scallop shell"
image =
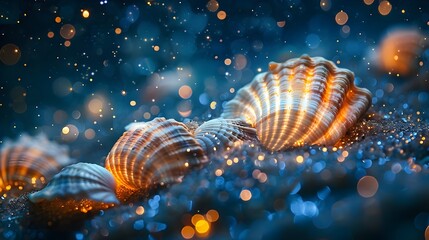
[
  {"x": 79, "y": 181},
  {"x": 301, "y": 101},
  {"x": 401, "y": 50},
  {"x": 154, "y": 153},
  {"x": 219, "y": 133},
  {"x": 30, "y": 162}
]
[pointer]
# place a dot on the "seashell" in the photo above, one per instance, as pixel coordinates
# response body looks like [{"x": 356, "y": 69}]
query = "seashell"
[
  {"x": 301, "y": 101},
  {"x": 400, "y": 51},
  {"x": 79, "y": 181},
  {"x": 154, "y": 153},
  {"x": 30, "y": 162},
  {"x": 218, "y": 133}
]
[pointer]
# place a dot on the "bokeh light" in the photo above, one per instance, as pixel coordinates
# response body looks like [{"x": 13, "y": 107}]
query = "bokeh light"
[
  {"x": 67, "y": 31},
  {"x": 245, "y": 195},
  {"x": 384, "y": 7},
  {"x": 341, "y": 18},
  {"x": 367, "y": 186},
  {"x": 212, "y": 5},
  {"x": 10, "y": 54},
  {"x": 221, "y": 15}
]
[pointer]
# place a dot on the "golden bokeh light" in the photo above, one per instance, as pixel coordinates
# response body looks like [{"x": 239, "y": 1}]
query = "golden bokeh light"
[
  {"x": 368, "y": 2},
  {"x": 367, "y": 186},
  {"x": 67, "y": 31},
  {"x": 10, "y": 54},
  {"x": 187, "y": 232},
  {"x": 85, "y": 14},
  {"x": 95, "y": 105},
  {"x": 341, "y": 18},
  {"x": 65, "y": 130},
  {"x": 299, "y": 159},
  {"x": 202, "y": 226},
  {"x": 67, "y": 43},
  {"x": 118, "y": 31},
  {"x": 227, "y": 61},
  {"x": 221, "y": 15},
  {"x": 132, "y": 103},
  {"x": 156, "y": 48},
  {"x": 185, "y": 92},
  {"x": 325, "y": 5},
  {"x": 57, "y": 19},
  {"x": 69, "y": 133},
  {"x": 212, "y": 6},
  {"x": 197, "y": 217},
  {"x": 384, "y": 8},
  {"x": 245, "y": 195}
]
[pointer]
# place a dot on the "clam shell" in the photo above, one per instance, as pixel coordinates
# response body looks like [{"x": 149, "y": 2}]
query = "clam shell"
[
  {"x": 79, "y": 181},
  {"x": 30, "y": 162},
  {"x": 154, "y": 153},
  {"x": 219, "y": 133},
  {"x": 401, "y": 50},
  {"x": 301, "y": 101}
]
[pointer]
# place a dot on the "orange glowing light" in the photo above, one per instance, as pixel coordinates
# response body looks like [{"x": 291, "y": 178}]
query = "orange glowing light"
[
  {"x": 187, "y": 232},
  {"x": 281, "y": 24},
  {"x": 212, "y": 215},
  {"x": 227, "y": 61},
  {"x": 197, "y": 217},
  {"x": 384, "y": 8},
  {"x": 67, "y": 43},
  {"x": 118, "y": 31},
  {"x": 221, "y": 15},
  {"x": 140, "y": 210},
  {"x": 245, "y": 195},
  {"x": 51, "y": 34},
  {"x": 202, "y": 226},
  {"x": 368, "y": 2},
  {"x": 57, "y": 19},
  {"x": 367, "y": 186},
  {"x": 185, "y": 92},
  {"x": 156, "y": 48},
  {"x": 341, "y": 18}
]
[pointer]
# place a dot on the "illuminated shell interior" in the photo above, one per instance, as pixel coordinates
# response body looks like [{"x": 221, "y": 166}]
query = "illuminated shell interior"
[
  {"x": 219, "y": 133},
  {"x": 79, "y": 181},
  {"x": 301, "y": 101},
  {"x": 30, "y": 162},
  {"x": 154, "y": 153},
  {"x": 400, "y": 51}
]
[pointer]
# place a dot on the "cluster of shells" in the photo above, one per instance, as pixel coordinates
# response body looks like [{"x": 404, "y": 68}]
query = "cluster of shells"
[{"x": 303, "y": 101}]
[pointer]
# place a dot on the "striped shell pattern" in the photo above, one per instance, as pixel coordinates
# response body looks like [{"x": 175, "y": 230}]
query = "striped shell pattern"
[
  {"x": 30, "y": 162},
  {"x": 79, "y": 181},
  {"x": 301, "y": 101}
]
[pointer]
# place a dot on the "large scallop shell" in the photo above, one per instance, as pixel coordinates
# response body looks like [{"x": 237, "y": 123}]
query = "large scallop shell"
[
  {"x": 301, "y": 101},
  {"x": 30, "y": 162},
  {"x": 154, "y": 153},
  {"x": 80, "y": 181},
  {"x": 219, "y": 133}
]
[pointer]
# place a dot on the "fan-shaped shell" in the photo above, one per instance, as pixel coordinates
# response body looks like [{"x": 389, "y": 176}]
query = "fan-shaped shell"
[
  {"x": 152, "y": 153},
  {"x": 401, "y": 50},
  {"x": 79, "y": 181},
  {"x": 301, "y": 101},
  {"x": 30, "y": 162},
  {"x": 218, "y": 133}
]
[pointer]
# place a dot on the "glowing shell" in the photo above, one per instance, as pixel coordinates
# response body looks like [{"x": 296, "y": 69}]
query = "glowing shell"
[
  {"x": 154, "y": 153},
  {"x": 219, "y": 133},
  {"x": 301, "y": 101},
  {"x": 80, "y": 181},
  {"x": 30, "y": 162},
  {"x": 401, "y": 50}
]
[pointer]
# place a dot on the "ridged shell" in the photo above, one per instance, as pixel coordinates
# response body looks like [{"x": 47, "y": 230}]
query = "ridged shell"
[
  {"x": 219, "y": 133},
  {"x": 79, "y": 181},
  {"x": 30, "y": 162},
  {"x": 301, "y": 101},
  {"x": 154, "y": 153},
  {"x": 401, "y": 50}
]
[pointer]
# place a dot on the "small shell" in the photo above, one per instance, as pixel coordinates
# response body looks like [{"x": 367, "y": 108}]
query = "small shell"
[
  {"x": 401, "y": 50},
  {"x": 301, "y": 101},
  {"x": 218, "y": 133},
  {"x": 30, "y": 162},
  {"x": 154, "y": 153},
  {"x": 79, "y": 181}
]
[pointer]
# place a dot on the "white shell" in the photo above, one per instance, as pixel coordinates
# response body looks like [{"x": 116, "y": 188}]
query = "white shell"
[
  {"x": 80, "y": 181},
  {"x": 154, "y": 153},
  {"x": 219, "y": 133},
  {"x": 30, "y": 162},
  {"x": 301, "y": 101}
]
